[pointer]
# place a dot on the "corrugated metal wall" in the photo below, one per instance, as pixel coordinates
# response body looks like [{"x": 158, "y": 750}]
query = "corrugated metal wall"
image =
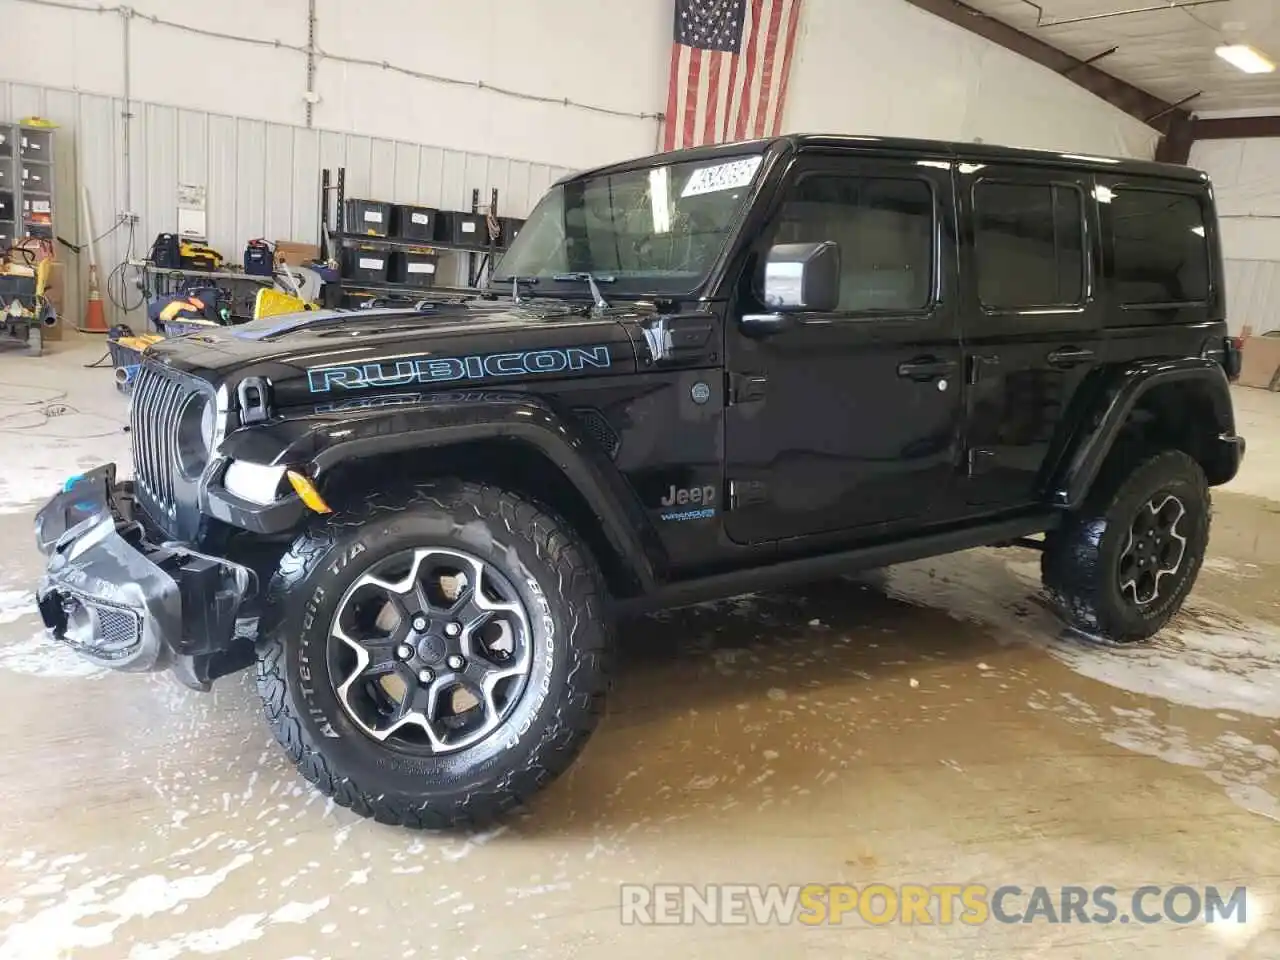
[
  {"x": 262, "y": 179},
  {"x": 1253, "y": 291}
]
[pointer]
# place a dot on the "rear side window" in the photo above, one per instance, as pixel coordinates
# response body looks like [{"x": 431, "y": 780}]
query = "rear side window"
[
  {"x": 885, "y": 229},
  {"x": 1161, "y": 254},
  {"x": 1030, "y": 245}
]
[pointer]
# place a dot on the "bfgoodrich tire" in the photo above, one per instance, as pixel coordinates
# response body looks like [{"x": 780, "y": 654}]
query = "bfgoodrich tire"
[
  {"x": 1122, "y": 566},
  {"x": 450, "y": 581}
]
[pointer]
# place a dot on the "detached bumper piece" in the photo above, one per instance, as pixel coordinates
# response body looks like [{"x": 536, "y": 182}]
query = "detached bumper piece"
[{"x": 125, "y": 603}]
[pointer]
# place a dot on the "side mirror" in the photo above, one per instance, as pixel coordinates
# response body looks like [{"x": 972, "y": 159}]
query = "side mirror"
[
  {"x": 798, "y": 277},
  {"x": 802, "y": 276}
]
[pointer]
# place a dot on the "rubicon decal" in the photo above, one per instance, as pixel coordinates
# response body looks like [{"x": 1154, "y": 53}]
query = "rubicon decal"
[{"x": 396, "y": 373}]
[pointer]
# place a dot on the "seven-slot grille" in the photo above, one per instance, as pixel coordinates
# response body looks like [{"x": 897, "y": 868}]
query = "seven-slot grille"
[{"x": 158, "y": 398}]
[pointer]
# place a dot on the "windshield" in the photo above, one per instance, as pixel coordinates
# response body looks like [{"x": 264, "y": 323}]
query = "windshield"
[{"x": 655, "y": 230}]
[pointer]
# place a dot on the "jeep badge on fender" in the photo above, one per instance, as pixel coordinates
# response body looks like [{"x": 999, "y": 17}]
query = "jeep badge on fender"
[
  {"x": 421, "y": 523},
  {"x": 681, "y": 496}
]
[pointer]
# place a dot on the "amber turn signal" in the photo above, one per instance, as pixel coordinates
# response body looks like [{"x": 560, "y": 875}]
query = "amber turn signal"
[{"x": 307, "y": 491}]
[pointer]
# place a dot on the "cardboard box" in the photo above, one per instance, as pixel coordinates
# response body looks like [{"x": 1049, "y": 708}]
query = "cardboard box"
[
  {"x": 25, "y": 253},
  {"x": 1260, "y": 362},
  {"x": 294, "y": 253}
]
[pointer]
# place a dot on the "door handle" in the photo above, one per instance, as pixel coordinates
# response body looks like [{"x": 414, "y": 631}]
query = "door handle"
[
  {"x": 1068, "y": 356},
  {"x": 767, "y": 324},
  {"x": 924, "y": 369}
]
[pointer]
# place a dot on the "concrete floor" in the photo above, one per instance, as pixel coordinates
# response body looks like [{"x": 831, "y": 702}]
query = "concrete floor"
[{"x": 929, "y": 723}]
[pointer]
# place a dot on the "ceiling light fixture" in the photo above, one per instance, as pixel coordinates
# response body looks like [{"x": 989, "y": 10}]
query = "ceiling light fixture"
[{"x": 1243, "y": 57}]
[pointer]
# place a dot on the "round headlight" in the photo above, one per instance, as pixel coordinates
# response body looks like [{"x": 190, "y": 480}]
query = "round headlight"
[
  {"x": 208, "y": 421},
  {"x": 195, "y": 435}
]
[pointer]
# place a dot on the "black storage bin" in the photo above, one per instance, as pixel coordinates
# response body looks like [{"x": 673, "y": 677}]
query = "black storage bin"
[
  {"x": 510, "y": 229},
  {"x": 413, "y": 223},
  {"x": 37, "y": 177},
  {"x": 464, "y": 229},
  {"x": 414, "y": 268},
  {"x": 6, "y": 205},
  {"x": 364, "y": 263},
  {"x": 370, "y": 217}
]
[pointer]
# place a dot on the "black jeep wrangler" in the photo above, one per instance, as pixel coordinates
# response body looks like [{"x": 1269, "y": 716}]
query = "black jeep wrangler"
[{"x": 720, "y": 370}]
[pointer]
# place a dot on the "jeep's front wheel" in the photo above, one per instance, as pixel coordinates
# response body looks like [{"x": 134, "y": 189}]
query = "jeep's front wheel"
[
  {"x": 433, "y": 659},
  {"x": 1122, "y": 566}
]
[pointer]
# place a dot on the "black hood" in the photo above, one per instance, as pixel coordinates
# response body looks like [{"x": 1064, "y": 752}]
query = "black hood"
[{"x": 325, "y": 356}]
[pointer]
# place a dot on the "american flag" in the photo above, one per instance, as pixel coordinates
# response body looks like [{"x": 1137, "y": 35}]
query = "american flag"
[{"x": 729, "y": 67}]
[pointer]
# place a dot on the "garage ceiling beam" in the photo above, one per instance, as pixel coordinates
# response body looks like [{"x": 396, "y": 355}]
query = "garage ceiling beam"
[
  {"x": 1092, "y": 60},
  {"x": 1175, "y": 145},
  {"x": 1236, "y": 128},
  {"x": 1124, "y": 96}
]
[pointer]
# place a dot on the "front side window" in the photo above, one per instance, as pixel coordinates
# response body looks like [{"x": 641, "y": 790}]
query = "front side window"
[
  {"x": 885, "y": 229},
  {"x": 655, "y": 230},
  {"x": 1161, "y": 252},
  {"x": 1029, "y": 241}
]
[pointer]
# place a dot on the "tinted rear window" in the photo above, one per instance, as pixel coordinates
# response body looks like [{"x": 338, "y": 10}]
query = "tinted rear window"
[
  {"x": 1030, "y": 245},
  {"x": 1161, "y": 254}
]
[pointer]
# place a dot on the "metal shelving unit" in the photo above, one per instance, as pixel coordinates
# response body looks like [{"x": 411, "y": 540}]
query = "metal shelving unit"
[
  {"x": 9, "y": 147},
  {"x": 480, "y": 257},
  {"x": 396, "y": 243},
  {"x": 32, "y": 166}
]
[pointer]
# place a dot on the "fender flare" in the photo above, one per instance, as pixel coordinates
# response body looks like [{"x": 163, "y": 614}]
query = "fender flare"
[
  {"x": 371, "y": 427},
  {"x": 1089, "y": 449}
]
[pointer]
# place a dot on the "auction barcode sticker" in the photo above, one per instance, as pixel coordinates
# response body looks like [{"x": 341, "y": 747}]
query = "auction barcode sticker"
[{"x": 723, "y": 176}]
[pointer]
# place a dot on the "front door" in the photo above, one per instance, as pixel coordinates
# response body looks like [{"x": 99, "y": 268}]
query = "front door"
[
  {"x": 1031, "y": 323},
  {"x": 849, "y": 422}
]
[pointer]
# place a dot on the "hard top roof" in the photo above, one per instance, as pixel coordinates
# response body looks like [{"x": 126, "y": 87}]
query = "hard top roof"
[{"x": 902, "y": 146}]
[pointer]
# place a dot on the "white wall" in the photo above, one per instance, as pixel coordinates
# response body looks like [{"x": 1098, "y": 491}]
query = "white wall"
[
  {"x": 605, "y": 53},
  {"x": 885, "y": 67},
  {"x": 868, "y": 66},
  {"x": 609, "y": 53},
  {"x": 1246, "y": 182}
]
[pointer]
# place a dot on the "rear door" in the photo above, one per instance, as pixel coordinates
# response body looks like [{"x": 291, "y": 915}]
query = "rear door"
[{"x": 1031, "y": 322}]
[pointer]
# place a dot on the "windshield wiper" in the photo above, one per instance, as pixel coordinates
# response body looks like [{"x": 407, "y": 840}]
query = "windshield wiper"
[
  {"x": 591, "y": 281},
  {"x": 515, "y": 285}
]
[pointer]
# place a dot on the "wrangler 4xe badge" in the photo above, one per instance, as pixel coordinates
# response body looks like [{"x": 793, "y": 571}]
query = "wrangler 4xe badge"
[
  {"x": 396, "y": 373},
  {"x": 689, "y": 503}
]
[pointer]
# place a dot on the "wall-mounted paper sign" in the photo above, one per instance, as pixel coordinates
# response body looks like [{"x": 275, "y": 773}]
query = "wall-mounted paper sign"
[{"x": 192, "y": 223}]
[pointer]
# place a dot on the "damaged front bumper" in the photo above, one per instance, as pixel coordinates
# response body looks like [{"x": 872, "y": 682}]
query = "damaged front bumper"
[{"x": 124, "y": 602}]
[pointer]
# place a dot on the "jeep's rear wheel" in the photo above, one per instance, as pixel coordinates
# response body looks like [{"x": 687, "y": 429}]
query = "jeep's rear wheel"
[
  {"x": 1122, "y": 566},
  {"x": 433, "y": 659}
]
